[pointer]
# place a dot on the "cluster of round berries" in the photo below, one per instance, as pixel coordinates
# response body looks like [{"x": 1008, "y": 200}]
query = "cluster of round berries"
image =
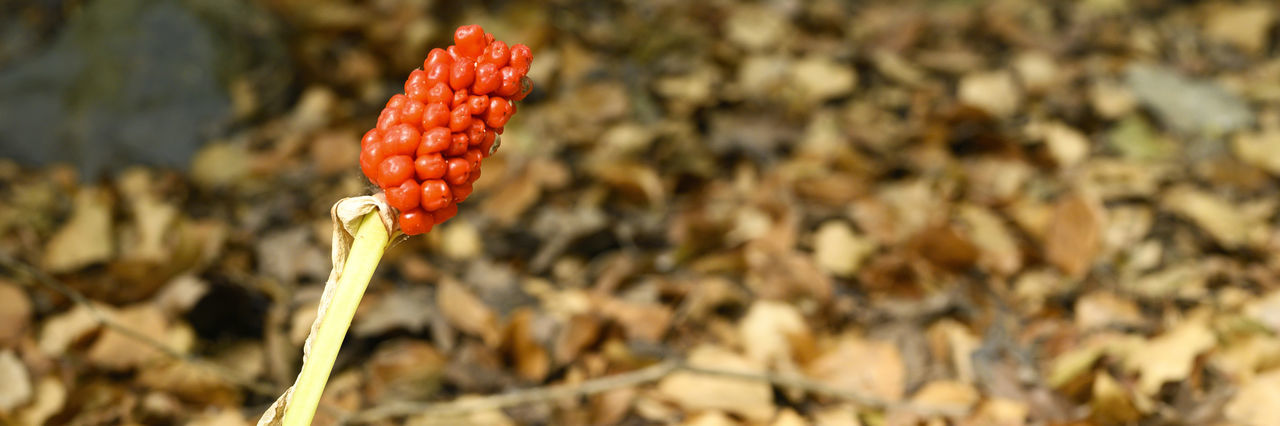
[{"x": 427, "y": 147}]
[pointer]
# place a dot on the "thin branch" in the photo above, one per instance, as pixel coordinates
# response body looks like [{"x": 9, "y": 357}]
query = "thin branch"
[
  {"x": 42, "y": 278},
  {"x": 633, "y": 378}
]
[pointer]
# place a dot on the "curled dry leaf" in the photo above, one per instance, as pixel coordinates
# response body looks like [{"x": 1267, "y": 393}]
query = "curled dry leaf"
[
  {"x": 15, "y": 313},
  {"x": 747, "y": 398},
  {"x": 85, "y": 239},
  {"x": 844, "y": 366},
  {"x": 17, "y": 389},
  {"x": 467, "y": 312}
]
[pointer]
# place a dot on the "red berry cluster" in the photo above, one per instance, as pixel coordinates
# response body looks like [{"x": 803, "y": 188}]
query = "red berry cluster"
[{"x": 427, "y": 147}]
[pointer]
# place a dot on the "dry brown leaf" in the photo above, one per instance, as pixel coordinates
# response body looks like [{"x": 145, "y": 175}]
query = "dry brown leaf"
[
  {"x": 532, "y": 362},
  {"x": 993, "y": 91},
  {"x": 467, "y": 312},
  {"x": 15, "y": 313},
  {"x": 839, "y": 415},
  {"x": 579, "y": 332},
  {"x": 86, "y": 238},
  {"x": 1261, "y": 150},
  {"x": 946, "y": 396},
  {"x": 1243, "y": 25},
  {"x": 1112, "y": 403},
  {"x": 640, "y": 321},
  {"x": 845, "y": 367},
  {"x": 407, "y": 370},
  {"x": 789, "y": 417},
  {"x": 50, "y": 396},
  {"x": 224, "y": 417},
  {"x": 403, "y": 308},
  {"x": 1222, "y": 220},
  {"x": 459, "y": 240},
  {"x": 609, "y": 408},
  {"x": 1101, "y": 309},
  {"x": 1075, "y": 235},
  {"x": 750, "y": 399},
  {"x": 768, "y": 331},
  {"x": 999, "y": 251},
  {"x": 954, "y": 341},
  {"x": 999, "y": 412},
  {"x": 1257, "y": 403},
  {"x": 62, "y": 330},
  {"x": 493, "y": 417},
  {"x": 839, "y": 250},
  {"x": 17, "y": 382},
  {"x": 117, "y": 351},
  {"x": 1170, "y": 356}
]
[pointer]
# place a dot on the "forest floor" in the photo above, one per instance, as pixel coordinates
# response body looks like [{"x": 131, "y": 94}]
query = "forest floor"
[{"x": 707, "y": 213}]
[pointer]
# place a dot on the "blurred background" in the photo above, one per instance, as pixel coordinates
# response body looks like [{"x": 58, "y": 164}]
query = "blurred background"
[{"x": 941, "y": 212}]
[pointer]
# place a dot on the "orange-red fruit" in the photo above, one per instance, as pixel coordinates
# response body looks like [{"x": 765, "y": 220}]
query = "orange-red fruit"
[
  {"x": 445, "y": 213},
  {"x": 404, "y": 197},
  {"x": 429, "y": 166},
  {"x": 416, "y": 221},
  {"x": 477, "y": 104},
  {"x": 389, "y": 117},
  {"x": 435, "y": 140},
  {"x": 458, "y": 172},
  {"x": 521, "y": 58},
  {"x": 496, "y": 53},
  {"x": 460, "y": 118},
  {"x": 436, "y": 115},
  {"x": 402, "y": 139},
  {"x": 510, "y": 82},
  {"x": 462, "y": 74},
  {"x": 416, "y": 86},
  {"x": 438, "y": 72},
  {"x": 437, "y": 56},
  {"x": 488, "y": 78},
  {"x": 461, "y": 192},
  {"x": 394, "y": 170},
  {"x": 371, "y": 136},
  {"x": 470, "y": 40},
  {"x": 440, "y": 93},
  {"x": 411, "y": 112},
  {"x": 457, "y": 145},
  {"x": 435, "y": 195},
  {"x": 498, "y": 113}
]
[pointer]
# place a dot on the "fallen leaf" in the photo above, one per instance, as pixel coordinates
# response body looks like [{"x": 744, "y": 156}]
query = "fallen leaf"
[
  {"x": 993, "y": 91},
  {"x": 115, "y": 350},
  {"x": 768, "y": 331},
  {"x": 17, "y": 389},
  {"x": 1257, "y": 401},
  {"x": 640, "y": 320},
  {"x": 998, "y": 249},
  {"x": 86, "y": 238},
  {"x": 15, "y": 313},
  {"x": 62, "y": 330},
  {"x": 460, "y": 240},
  {"x": 1170, "y": 356},
  {"x": 1075, "y": 235},
  {"x": 1101, "y": 309},
  {"x": 403, "y": 308},
  {"x": 709, "y": 418},
  {"x": 467, "y": 312},
  {"x": 838, "y": 250},
  {"x": 844, "y": 367},
  {"x": 820, "y": 77},
  {"x": 50, "y": 396},
  {"x": 532, "y": 362},
  {"x": 999, "y": 412},
  {"x": 1222, "y": 220},
  {"x": 1261, "y": 149},
  {"x": 839, "y": 415},
  {"x": 1243, "y": 25},
  {"x": 1189, "y": 105},
  {"x": 405, "y": 370},
  {"x": 946, "y": 396},
  {"x": 1111, "y": 402},
  {"x": 748, "y": 398}
]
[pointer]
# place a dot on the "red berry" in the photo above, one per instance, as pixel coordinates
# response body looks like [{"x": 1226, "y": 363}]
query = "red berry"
[
  {"x": 459, "y": 97},
  {"x": 457, "y": 145},
  {"x": 526, "y": 86},
  {"x": 371, "y": 136},
  {"x": 474, "y": 157},
  {"x": 521, "y": 57},
  {"x": 462, "y": 73},
  {"x": 475, "y": 175},
  {"x": 470, "y": 40},
  {"x": 411, "y": 113},
  {"x": 416, "y": 86},
  {"x": 440, "y": 93},
  {"x": 459, "y": 171},
  {"x": 488, "y": 78},
  {"x": 435, "y": 140},
  {"x": 402, "y": 139},
  {"x": 370, "y": 157},
  {"x": 435, "y": 195},
  {"x": 510, "y": 82},
  {"x": 404, "y": 197},
  {"x": 416, "y": 221},
  {"x": 496, "y": 53},
  {"x": 461, "y": 192},
  {"x": 460, "y": 118},
  {"x": 396, "y": 101},
  {"x": 395, "y": 170},
  {"x": 439, "y": 73},
  {"x": 437, "y": 56},
  {"x": 429, "y": 166},
  {"x": 498, "y": 113},
  {"x": 389, "y": 118},
  {"x": 475, "y": 134},
  {"x": 486, "y": 145},
  {"x": 436, "y": 115},
  {"x": 445, "y": 213},
  {"x": 477, "y": 104}
]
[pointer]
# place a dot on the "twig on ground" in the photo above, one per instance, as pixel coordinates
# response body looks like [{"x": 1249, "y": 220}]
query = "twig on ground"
[
  {"x": 42, "y": 278},
  {"x": 633, "y": 378}
]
